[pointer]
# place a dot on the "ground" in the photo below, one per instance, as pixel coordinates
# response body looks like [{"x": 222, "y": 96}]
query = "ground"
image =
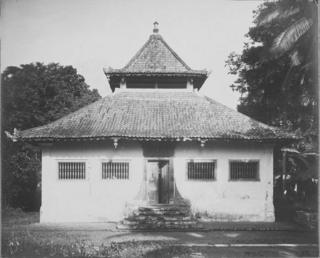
[{"x": 24, "y": 237}]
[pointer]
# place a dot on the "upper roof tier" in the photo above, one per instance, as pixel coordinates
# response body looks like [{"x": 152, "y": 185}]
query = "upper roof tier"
[{"x": 156, "y": 59}]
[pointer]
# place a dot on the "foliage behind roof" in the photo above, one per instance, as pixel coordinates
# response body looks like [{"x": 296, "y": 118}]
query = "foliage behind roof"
[{"x": 155, "y": 115}]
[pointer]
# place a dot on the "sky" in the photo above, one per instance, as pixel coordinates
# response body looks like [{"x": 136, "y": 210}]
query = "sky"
[{"x": 92, "y": 34}]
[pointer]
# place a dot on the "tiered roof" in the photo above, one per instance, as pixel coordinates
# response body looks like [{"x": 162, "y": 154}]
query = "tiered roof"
[{"x": 155, "y": 114}]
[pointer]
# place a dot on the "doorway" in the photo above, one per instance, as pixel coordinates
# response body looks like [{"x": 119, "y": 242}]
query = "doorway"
[{"x": 158, "y": 181}]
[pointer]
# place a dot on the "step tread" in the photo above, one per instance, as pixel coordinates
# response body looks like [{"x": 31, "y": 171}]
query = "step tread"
[
  {"x": 163, "y": 216},
  {"x": 155, "y": 227}
]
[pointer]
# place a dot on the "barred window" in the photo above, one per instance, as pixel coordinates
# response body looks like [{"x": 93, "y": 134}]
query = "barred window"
[
  {"x": 244, "y": 170},
  {"x": 72, "y": 170},
  {"x": 201, "y": 170},
  {"x": 115, "y": 170}
]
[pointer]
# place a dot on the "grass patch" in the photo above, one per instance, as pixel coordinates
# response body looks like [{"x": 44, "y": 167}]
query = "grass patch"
[
  {"x": 21, "y": 246},
  {"x": 19, "y": 240},
  {"x": 17, "y": 217}
]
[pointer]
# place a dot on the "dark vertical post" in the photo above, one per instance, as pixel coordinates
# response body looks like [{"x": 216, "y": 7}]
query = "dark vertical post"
[
  {"x": 284, "y": 172},
  {"x": 172, "y": 185},
  {"x": 159, "y": 182},
  {"x": 145, "y": 194}
]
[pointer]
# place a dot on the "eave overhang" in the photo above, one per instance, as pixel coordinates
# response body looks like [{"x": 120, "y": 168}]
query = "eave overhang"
[
  {"x": 281, "y": 141},
  {"x": 114, "y": 76}
]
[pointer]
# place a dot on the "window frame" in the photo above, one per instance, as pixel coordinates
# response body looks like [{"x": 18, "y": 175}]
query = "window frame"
[
  {"x": 115, "y": 161},
  {"x": 201, "y": 160},
  {"x": 257, "y": 179},
  {"x": 86, "y": 170}
]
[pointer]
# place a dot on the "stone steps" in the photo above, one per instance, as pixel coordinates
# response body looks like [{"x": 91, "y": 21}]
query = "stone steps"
[
  {"x": 159, "y": 217},
  {"x": 156, "y": 227},
  {"x": 185, "y": 222},
  {"x": 161, "y": 213}
]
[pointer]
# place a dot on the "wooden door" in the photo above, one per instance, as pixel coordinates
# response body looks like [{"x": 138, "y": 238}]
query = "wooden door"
[
  {"x": 158, "y": 181},
  {"x": 152, "y": 181},
  {"x": 164, "y": 193}
]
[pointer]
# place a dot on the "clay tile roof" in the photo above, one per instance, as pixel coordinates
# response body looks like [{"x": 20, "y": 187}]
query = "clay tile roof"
[
  {"x": 156, "y": 57},
  {"x": 154, "y": 115}
]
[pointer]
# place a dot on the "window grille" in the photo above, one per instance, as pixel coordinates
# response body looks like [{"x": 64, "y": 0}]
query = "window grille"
[
  {"x": 201, "y": 170},
  {"x": 115, "y": 170},
  {"x": 241, "y": 170},
  {"x": 72, "y": 170}
]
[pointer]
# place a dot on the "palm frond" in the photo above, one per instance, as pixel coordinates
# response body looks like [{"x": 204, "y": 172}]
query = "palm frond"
[
  {"x": 290, "y": 36},
  {"x": 277, "y": 14},
  {"x": 295, "y": 58},
  {"x": 269, "y": 17}
]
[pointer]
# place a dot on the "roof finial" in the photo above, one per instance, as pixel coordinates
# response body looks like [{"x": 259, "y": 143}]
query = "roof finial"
[{"x": 155, "y": 27}]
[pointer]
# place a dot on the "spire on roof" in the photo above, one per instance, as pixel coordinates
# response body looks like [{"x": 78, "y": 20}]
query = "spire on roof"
[{"x": 155, "y": 27}]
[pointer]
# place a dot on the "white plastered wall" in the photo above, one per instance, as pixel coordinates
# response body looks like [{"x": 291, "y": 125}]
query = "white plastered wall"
[
  {"x": 92, "y": 199},
  {"x": 222, "y": 199},
  {"x": 95, "y": 199}
]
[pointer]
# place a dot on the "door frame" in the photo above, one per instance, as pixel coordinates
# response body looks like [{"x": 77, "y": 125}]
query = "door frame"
[{"x": 170, "y": 171}]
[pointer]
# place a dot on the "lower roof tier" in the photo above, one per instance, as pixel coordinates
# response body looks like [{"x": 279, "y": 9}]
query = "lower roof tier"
[{"x": 162, "y": 114}]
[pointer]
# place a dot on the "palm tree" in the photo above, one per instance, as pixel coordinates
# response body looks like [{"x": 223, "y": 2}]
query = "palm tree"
[
  {"x": 296, "y": 21},
  {"x": 300, "y": 17},
  {"x": 298, "y": 39}
]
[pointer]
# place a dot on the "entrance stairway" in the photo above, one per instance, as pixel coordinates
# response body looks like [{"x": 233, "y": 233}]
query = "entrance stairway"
[{"x": 157, "y": 217}]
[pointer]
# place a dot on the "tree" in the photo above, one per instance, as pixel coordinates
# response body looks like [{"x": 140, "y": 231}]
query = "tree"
[
  {"x": 277, "y": 80},
  {"x": 32, "y": 95},
  {"x": 277, "y": 70},
  {"x": 302, "y": 15}
]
